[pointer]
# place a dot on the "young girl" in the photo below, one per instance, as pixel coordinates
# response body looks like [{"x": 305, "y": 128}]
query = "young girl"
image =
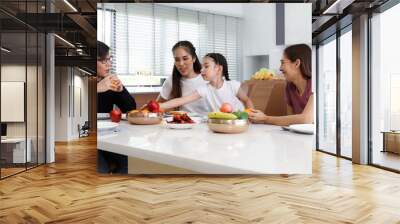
[{"x": 219, "y": 90}]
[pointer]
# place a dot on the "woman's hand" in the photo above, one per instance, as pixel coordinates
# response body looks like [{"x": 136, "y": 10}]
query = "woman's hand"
[
  {"x": 257, "y": 116},
  {"x": 110, "y": 82}
]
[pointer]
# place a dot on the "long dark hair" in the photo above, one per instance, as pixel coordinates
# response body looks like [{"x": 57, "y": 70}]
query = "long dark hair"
[
  {"x": 176, "y": 75},
  {"x": 102, "y": 50},
  {"x": 303, "y": 53},
  {"x": 219, "y": 59}
]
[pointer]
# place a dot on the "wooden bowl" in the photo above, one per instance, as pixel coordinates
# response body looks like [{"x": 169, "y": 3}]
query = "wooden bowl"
[
  {"x": 144, "y": 118},
  {"x": 228, "y": 126}
]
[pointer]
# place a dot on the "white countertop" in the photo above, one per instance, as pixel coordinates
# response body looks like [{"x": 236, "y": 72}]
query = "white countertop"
[{"x": 263, "y": 149}]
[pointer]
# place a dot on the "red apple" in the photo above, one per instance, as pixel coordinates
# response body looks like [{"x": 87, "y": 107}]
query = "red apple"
[
  {"x": 226, "y": 108},
  {"x": 115, "y": 114},
  {"x": 153, "y": 106}
]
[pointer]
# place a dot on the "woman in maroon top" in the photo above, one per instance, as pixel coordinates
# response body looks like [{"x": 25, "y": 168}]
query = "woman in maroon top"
[{"x": 296, "y": 67}]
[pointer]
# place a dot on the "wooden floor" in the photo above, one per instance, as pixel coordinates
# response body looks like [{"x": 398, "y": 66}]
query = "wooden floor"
[
  {"x": 387, "y": 159},
  {"x": 70, "y": 191},
  {"x": 10, "y": 171}
]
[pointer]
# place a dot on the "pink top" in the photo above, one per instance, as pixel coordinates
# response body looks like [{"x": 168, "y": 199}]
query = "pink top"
[{"x": 293, "y": 99}]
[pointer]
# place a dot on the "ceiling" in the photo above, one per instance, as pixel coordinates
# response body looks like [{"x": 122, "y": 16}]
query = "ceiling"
[
  {"x": 76, "y": 22},
  {"x": 329, "y": 16},
  {"x": 72, "y": 20}
]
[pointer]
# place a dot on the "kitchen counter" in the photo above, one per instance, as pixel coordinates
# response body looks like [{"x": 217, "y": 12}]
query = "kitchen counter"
[{"x": 263, "y": 149}]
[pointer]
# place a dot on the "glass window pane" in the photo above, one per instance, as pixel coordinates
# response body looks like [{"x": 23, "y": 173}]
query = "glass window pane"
[
  {"x": 13, "y": 83},
  {"x": 385, "y": 88},
  {"x": 31, "y": 98},
  {"x": 346, "y": 93},
  {"x": 327, "y": 96},
  {"x": 41, "y": 99}
]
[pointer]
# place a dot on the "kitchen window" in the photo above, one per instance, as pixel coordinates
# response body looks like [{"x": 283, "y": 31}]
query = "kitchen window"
[{"x": 144, "y": 35}]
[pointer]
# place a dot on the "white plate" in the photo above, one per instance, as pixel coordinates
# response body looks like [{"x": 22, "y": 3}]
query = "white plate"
[
  {"x": 179, "y": 126},
  {"x": 106, "y": 125},
  {"x": 190, "y": 114},
  {"x": 302, "y": 128}
]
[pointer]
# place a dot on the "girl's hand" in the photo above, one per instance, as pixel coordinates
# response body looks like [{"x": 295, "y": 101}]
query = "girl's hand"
[
  {"x": 257, "y": 116},
  {"x": 110, "y": 82}
]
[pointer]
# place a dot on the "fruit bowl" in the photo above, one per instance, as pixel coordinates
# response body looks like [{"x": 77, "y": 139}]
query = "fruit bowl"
[
  {"x": 228, "y": 126},
  {"x": 144, "y": 117}
]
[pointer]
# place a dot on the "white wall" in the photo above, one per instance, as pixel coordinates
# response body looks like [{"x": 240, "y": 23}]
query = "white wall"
[
  {"x": 298, "y": 26},
  {"x": 80, "y": 102},
  {"x": 259, "y": 32},
  {"x": 258, "y": 28},
  {"x": 71, "y": 87},
  {"x": 61, "y": 104}
]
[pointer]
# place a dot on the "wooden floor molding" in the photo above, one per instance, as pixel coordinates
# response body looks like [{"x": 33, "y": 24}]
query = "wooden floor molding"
[{"x": 70, "y": 191}]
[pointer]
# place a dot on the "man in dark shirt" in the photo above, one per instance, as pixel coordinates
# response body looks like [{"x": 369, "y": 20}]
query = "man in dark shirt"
[
  {"x": 123, "y": 100},
  {"x": 110, "y": 91}
]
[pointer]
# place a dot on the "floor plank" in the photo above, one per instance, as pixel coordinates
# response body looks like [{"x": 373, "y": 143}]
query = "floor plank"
[{"x": 70, "y": 191}]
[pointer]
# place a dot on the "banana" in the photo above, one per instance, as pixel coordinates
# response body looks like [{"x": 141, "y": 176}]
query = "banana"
[{"x": 222, "y": 115}]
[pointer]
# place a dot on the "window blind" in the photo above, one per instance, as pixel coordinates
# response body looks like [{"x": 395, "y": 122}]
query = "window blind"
[
  {"x": 144, "y": 35},
  {"x": 106, "y": 28}
]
